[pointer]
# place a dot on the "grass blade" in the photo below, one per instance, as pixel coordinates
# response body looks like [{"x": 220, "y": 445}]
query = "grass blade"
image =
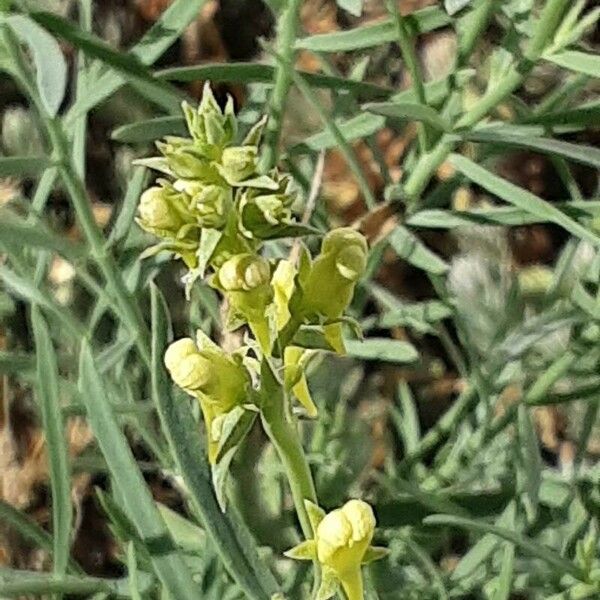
[
  {"x": 246, "y": 72},
  {"x": 167, "y": 562},
  {"x": 50, "y": 64},
  {"x": 526, "y": 545},
  {"x": 521, "y": 198},
  {"x": 239, "y": 558},
  {"x": 580, "y": 62},
  {"x": 21, "y": 166},
  {"x": 395, "y": 351},
  {"x": 60, "y": 478},
  {"x": 408, "y": 111},
  {"x": 421, "y": 21},
  {"x": 150, "y": 130},
  {"x": 580, "y": 153}
]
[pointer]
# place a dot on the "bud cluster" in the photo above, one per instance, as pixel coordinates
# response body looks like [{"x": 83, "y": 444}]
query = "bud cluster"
[{"x": 211, "y": 183}]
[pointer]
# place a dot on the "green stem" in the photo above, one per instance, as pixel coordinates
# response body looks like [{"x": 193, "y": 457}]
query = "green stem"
[
  {"x": 283, "y": 433},
  {"x": 286, "y": 36},
  {"x": 409, "y": 57},
  {"x": 428, "y": 163}
]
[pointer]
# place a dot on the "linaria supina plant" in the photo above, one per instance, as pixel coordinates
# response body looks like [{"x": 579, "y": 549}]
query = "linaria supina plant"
[{"x": 214, "y": 210}]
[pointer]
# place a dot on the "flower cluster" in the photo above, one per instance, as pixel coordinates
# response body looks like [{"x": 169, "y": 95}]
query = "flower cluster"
[
  {"x": 342, "y": 544},
  {"x": 212, "y": 203},
  {"x": 214, "y": 209}
]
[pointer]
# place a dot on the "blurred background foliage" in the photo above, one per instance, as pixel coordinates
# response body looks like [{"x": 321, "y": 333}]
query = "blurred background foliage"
[{"x": 475, "y": 394}]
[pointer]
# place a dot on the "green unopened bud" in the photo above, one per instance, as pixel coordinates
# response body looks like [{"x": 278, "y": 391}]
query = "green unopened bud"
[
  {"x": 162, "y": 211},
  {"x": 535, "y": 280},
  {"x": 185, "y": 160},
  {"x": 208, "y": 125},
  {"x": 211, "y": 204},
  {"x": 208, "y": 374},
  {"x": 244, "y": 272},
  {"x": 341, "y": 263},
  {"x": 245, "y": 280},
  {"x": 238, "y": 163}
]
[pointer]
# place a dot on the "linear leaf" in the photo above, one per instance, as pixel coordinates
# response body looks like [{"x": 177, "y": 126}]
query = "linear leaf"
[
  {"x": 247, "y": 72},
  {"x": 20, "y": 166},
  {"x": 239, "y": 558},
  {"x": 421, "y": 21},
  {"x": 50, "y": 64},
  {"x": 396, "y": 351},
  {"x": 149, "y": 130},
  {"x": 500, "y": 215},
  {"x": 408, "y": 111},
  {"x": 168, "y": 564},
  {"x": 587, "y": 155},
  {"x": 521, "y": 198},
  {"x": 526, "y": 545},
  {"x": 352, "y": 129},
  {"x": 574, "y": 60},
  {"x": 17, "y": 583},
  {"x": 410, "y": 248},
  {"x": 60, "y": 478},
  {"x": 586, "y": 114}
]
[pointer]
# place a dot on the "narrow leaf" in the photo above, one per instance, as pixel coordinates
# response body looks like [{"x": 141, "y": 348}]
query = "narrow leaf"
[
  {"x": 580, "y": 62},
  {"x": 60, "y": 478},
  {"x": 521, "y": 198},
  {"x": 149, "y": 130},
  {"x": 408, "y": 111},
  {"x": 395, "y": 351},
  {"x": 168, "y": 564},
  {"x": 50, "y": 64},
  {"x": 22, "y": 166}
]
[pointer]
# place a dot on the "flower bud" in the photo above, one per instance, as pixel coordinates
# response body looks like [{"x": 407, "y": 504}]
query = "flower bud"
[
  {"x": 341, "y": 263},
  {"x": 238, "y": 163},
  {"x": 211, "y": 204},
  {"x": 157, "y": 211},
  {"x": 209, "y": 374},
  {"x": 244, "y": 272},
  {"x": 341, "y": 545}
]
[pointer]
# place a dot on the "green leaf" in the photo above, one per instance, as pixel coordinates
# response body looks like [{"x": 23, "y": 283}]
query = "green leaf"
[
  {"x": 149, "y": 130},
  {"x": 501, "y": 215},
  {"x": 580, "y": 62},
  {"x": 133, "y": 573},
  {"x": 22, "y": 166},
  {"x": 354, "y": 7},
  {"x": 454, "y": 6},
  {"x": 395, "y": 351},
  {"x": 167, "y": 563},
  {"x": 526, "y": 545},
  {"x": 521, "y": 198},
  {"x": 530, "y": 462},
  {"x": 60, "y": 477},
  {"x": 26, "y": 289},
  {"x": 315, "y": 513},
  {"x": 160, "y": 37},
  {"x": 587, "y": 155},
  {"x": 367, "y": 36},
  {"x": 124, "y": 220},
  {"x": 15, "y": 363},
  {"x": 17, "y": 232},
  {"x": 408, "y": 111},
  {"x": 410, "y": 248},
  {"x": 358, "y": 127},
  {"x": 125, "y": 63},
  {"x": 246, "y": 72},
  {"x": 506, "y": 573},
  {"x": 238, "y": 555},
  {"x": 235, "y": 426},
  {"x": 186, "y": 534},
  {"x": 583, "y": 115},
  {"x": 17, "y": 583},
  {"x": 50, "y": 64}
]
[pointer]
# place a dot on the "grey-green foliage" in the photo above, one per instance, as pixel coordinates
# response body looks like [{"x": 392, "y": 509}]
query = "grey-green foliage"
[{"x": 517, "y": 338}]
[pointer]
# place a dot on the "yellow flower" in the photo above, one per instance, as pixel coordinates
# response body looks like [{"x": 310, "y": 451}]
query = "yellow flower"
[
  {"x": 206, "y": 372},
  {"x": 342, "y": 544},
  {"x": 245, "y": 281}
]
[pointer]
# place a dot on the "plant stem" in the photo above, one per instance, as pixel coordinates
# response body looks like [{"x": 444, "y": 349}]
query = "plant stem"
[
  {"x": 409, "y": 57},
  {"x": 283, "y": 433},
  {"x": 286, "y": 36}
]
